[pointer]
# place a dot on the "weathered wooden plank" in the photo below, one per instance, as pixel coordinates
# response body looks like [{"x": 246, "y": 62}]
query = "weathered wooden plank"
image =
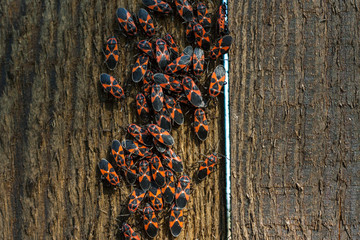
[
  {"x": 294, "y": 94},
  {"x": 57, "y": 123}
]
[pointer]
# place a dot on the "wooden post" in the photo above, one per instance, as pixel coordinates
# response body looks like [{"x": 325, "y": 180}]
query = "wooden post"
[
  {"x": 57, "y": 123},
  {"x": 295, "y": 119}
]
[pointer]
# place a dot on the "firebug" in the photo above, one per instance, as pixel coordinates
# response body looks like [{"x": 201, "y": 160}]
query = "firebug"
[
  {"x": 141, "y": 105},
  {"x": 192, "y": 92},
  {"x": 189, "y": 31},
  {"x": 178, "y": 64},
  {"x": 111, "y": 53},
  {"x": 157, "y": 6},
  {"x": 111, "y": 85},
  {"x": 129, "y": 233},
  {"x": 204, "y": 17},
  {"x": 126, "y": 21},
  {"x": 171, "y": 43},
  {"x": 221, "y": 47},
  {"x": 182, "y": 192},
  {"x": 160, "y": 134},
  {"x": 135, "y": 199},
  {"x": 221, "y": 21},
  {"x": 185, "y": 10},
  {"x": 144, "y": 175},
  {"x": 176, "y": 221},
  {"x": 168, "y": 191},
  {"x": 157, "y": 97},
  {"x": 201, "y": 125},
  {"x": 172, "y": 160},
  {"x": 174, "y": 110},
  {"x": 140, "y": 68},
  {"x": 159, "y": 146},
  {"x": 130, "y": 171},
  {"x": 202, "y": 38},
  {"x": 178, "y": 115},
  {"x": 118, "y": 153},
  {"x": 188, "y": 51},
  {"x": 109, "y": 173},
  {"x": 207, "y": 166},
  {"x": 198, "y": 61},
  {"x": 155, "y": 197},
  {"x": 162, "y": 53},
  {"x": 151, "y": 224},
  {"x": 146, "y": 47},
  {"x": 146, "y": 22},
  {"x": 217, "y": 81},
  {"x": 140, "y": 134},
  {"x": 167, "y": 82},
  {"x": 148, "y": 81},
  {"x": 157, "y": 171},
  {"x": 163, "y": 119},
  {"x": 163, "y": 80},
  {"x": 135, "y": 148}
]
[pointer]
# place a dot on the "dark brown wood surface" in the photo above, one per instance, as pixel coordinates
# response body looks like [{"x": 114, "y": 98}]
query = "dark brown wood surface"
[
  {"x": 56, "y": 124},
  {"x": 294, "y": 102},
  {"x": 294, "y": 95}
]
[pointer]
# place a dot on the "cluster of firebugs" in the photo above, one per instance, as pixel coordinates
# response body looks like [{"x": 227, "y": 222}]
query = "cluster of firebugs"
[{"x": 148, "y": 159}]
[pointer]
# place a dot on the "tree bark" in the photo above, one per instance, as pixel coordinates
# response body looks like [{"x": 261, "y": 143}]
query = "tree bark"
[
  {"x": 294, "y": 95},
  {"x": 57, "y": 123}
]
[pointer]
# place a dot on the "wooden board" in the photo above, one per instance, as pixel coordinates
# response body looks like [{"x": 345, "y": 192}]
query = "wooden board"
[
  {"x": 294, "y": 96},
  {"x": 57, "y": 123}
]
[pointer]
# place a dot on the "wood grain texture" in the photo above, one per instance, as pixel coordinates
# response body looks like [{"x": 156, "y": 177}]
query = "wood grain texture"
[
  {"x": 294, "y": 95},
  {"x": 57, "y": 123}
]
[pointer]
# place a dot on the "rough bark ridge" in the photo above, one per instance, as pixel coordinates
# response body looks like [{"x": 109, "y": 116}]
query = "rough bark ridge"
[
  {"x": 57, "y": 123},
  {"x": 295, "y": 119}
]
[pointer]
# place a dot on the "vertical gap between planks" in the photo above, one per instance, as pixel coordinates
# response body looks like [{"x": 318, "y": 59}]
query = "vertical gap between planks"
[{"x": 227, "y": 140}]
